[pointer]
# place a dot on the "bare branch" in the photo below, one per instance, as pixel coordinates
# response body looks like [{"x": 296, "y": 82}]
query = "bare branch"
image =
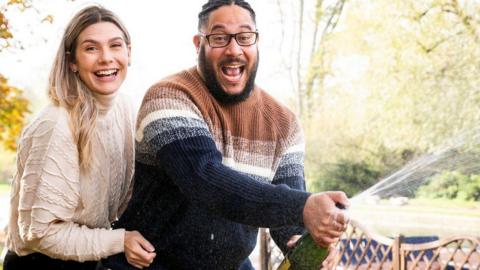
[
  {"x": 299, "y": 57},
  {"x": 467, "y": 21},
  {"x": 334, "y": 17}
]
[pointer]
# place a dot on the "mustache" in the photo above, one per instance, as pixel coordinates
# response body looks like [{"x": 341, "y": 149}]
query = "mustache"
[{"x": 233, "y": 60}]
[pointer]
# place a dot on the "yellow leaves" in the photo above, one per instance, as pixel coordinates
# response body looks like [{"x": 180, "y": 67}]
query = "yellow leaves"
[
  {"x": 13, "y": 106},
  {"x": 4, "y": 32},
  {"x": 13, "y": 109},
  {"x": 13, "y": 2},
  {"x": 48, "y": 19},
  {"x": 24, "y": 4}
]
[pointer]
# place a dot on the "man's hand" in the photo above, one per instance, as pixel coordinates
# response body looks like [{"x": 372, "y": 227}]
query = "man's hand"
[
  {"x": 324, "y": 221},
  {"x": 138, "y": 251},
  {"x": 330, "y": 260}
]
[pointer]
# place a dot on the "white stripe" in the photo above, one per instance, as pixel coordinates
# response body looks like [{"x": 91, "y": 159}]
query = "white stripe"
[
  {"x": 245, "y": 168},
  {"x": 296, "y": 148},
  {"x": 153, "y": 116}
]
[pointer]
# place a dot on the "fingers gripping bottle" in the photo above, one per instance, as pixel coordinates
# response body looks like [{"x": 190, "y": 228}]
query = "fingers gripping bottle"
[{"x": 306, "y": 254}]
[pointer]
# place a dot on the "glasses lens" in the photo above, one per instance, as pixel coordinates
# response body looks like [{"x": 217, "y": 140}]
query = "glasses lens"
[
  {"x": 246, "y": 38},
  {"x": 222, "y": 40},
  {"x": 218, "y": 40}
]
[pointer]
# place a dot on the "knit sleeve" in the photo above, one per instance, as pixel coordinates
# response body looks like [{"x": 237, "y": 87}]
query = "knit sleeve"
[
  {"x": 173, "y": 134},
  {"x": 49, "y": 196},
  {"x": 291, "y": 173},
  {"x": 128, "y": 116}
]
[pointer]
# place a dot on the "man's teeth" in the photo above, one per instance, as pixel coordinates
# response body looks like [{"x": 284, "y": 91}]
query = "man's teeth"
[
  {"x": 232, "y": 71},
  {"x": 108, "y": 72}
]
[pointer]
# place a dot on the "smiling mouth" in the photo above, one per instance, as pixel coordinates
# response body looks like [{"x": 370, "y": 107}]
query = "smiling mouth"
[
  {"x": 106, "y": 73},
  {"x": 233, "y": 73}
]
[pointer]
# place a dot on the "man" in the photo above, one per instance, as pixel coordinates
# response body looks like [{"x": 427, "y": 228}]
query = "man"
[{"x": 217, "y": 157}]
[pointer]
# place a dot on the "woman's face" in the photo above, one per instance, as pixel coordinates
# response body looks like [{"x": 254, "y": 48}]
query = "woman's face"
[{"x": 102, "y": 57}]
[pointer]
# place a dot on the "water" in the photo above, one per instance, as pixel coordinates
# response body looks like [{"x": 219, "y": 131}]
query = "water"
[
  {"x": 386, "y": 205},
  {"x": 461, "y": 154}
]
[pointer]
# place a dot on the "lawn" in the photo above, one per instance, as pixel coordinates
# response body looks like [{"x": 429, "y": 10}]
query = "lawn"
[{"x": 420, "y": 217}]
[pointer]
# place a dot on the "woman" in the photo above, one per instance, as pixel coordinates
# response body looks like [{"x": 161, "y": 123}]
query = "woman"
[{"x": 75, "y": 160}]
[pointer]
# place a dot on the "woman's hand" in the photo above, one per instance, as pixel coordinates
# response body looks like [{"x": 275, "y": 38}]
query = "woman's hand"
[{"x": 138, "y": 251}]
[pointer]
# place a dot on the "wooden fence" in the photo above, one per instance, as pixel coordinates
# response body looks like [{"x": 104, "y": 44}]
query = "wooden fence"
[{"x": 360, "y": 249}]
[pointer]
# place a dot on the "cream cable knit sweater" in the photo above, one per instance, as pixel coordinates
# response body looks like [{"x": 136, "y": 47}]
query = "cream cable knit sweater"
[{"x": 56, "y": 209}]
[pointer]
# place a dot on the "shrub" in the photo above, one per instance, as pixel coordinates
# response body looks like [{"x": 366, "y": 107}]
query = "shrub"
[
  {"x": 348, "y": 176},
  {"x": 451, "y": 185}
]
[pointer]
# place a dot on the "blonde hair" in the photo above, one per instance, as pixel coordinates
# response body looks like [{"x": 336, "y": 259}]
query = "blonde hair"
[{"x": 66, "y": 89}]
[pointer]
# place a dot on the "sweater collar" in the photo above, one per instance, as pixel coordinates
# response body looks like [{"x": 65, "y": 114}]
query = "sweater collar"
[{"x": 104, "y": 102}]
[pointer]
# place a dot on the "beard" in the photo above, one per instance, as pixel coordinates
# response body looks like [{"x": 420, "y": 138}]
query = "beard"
[{"x": 214, "y": 86}]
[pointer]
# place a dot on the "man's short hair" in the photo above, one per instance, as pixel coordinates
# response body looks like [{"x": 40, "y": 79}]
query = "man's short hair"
[{"x": 212, "y": 5}]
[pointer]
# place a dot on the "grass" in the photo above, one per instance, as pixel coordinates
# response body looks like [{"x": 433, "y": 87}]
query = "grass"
[
  {"x": 447, "y": 204},
  {"x": 420, "y": 217},
  {"x": 440, "y": 207}
]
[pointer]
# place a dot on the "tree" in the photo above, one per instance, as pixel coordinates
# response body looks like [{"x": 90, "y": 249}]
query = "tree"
[
  {"x": 349, "y": 176},
  {"x": 308, "y": 31},
  {"x": 13, "y": 109},
  {"x": 400, "y": 75},
  {"x": 13, "y": 105}
]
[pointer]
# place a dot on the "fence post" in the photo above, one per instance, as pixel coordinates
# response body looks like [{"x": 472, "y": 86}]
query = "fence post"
[
  {"x": 264, "y": 256},
  {"x": 397, "y": 257}
]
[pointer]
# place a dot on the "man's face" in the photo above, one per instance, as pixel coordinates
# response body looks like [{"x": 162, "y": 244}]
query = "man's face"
[{"x": 229, "y": 71}]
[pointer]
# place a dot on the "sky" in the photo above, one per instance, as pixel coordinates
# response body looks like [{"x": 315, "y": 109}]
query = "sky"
[{"x": 162, "y": 44}]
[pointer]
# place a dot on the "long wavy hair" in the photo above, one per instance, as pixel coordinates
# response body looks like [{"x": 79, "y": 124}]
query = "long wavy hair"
[{"x": 66, "y": 89}]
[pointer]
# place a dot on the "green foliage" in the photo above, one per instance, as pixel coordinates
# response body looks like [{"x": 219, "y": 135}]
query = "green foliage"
[
  {"x": 401, "y": 78},
  {"x": 451, "y": 185},
  {"x": 348, "y": 176}
]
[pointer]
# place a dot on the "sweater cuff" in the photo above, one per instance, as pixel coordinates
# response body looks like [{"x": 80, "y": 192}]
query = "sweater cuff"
[
  {"x": 116, "y": 239},
  {"x": 299, "y": 199}
]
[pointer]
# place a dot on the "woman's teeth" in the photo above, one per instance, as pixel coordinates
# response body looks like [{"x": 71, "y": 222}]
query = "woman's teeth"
[{"x": 104, "y": 73}]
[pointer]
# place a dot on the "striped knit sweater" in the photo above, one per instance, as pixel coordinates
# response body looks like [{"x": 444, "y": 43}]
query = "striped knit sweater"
[{"x": 208, "y": 175}]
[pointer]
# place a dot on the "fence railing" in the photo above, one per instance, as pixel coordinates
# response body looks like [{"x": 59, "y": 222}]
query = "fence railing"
[{"x": 361, "y": 249}]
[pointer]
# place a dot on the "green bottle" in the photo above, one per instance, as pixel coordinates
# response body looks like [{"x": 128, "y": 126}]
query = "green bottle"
[{"x": 306, "y": 255}]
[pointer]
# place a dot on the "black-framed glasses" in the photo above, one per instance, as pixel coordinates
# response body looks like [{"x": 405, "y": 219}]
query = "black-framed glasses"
[{"x": 222, "y": 40}]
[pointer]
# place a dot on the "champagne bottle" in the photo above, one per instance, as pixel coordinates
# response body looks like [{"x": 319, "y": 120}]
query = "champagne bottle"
[{"x": 306, "y": 254}]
